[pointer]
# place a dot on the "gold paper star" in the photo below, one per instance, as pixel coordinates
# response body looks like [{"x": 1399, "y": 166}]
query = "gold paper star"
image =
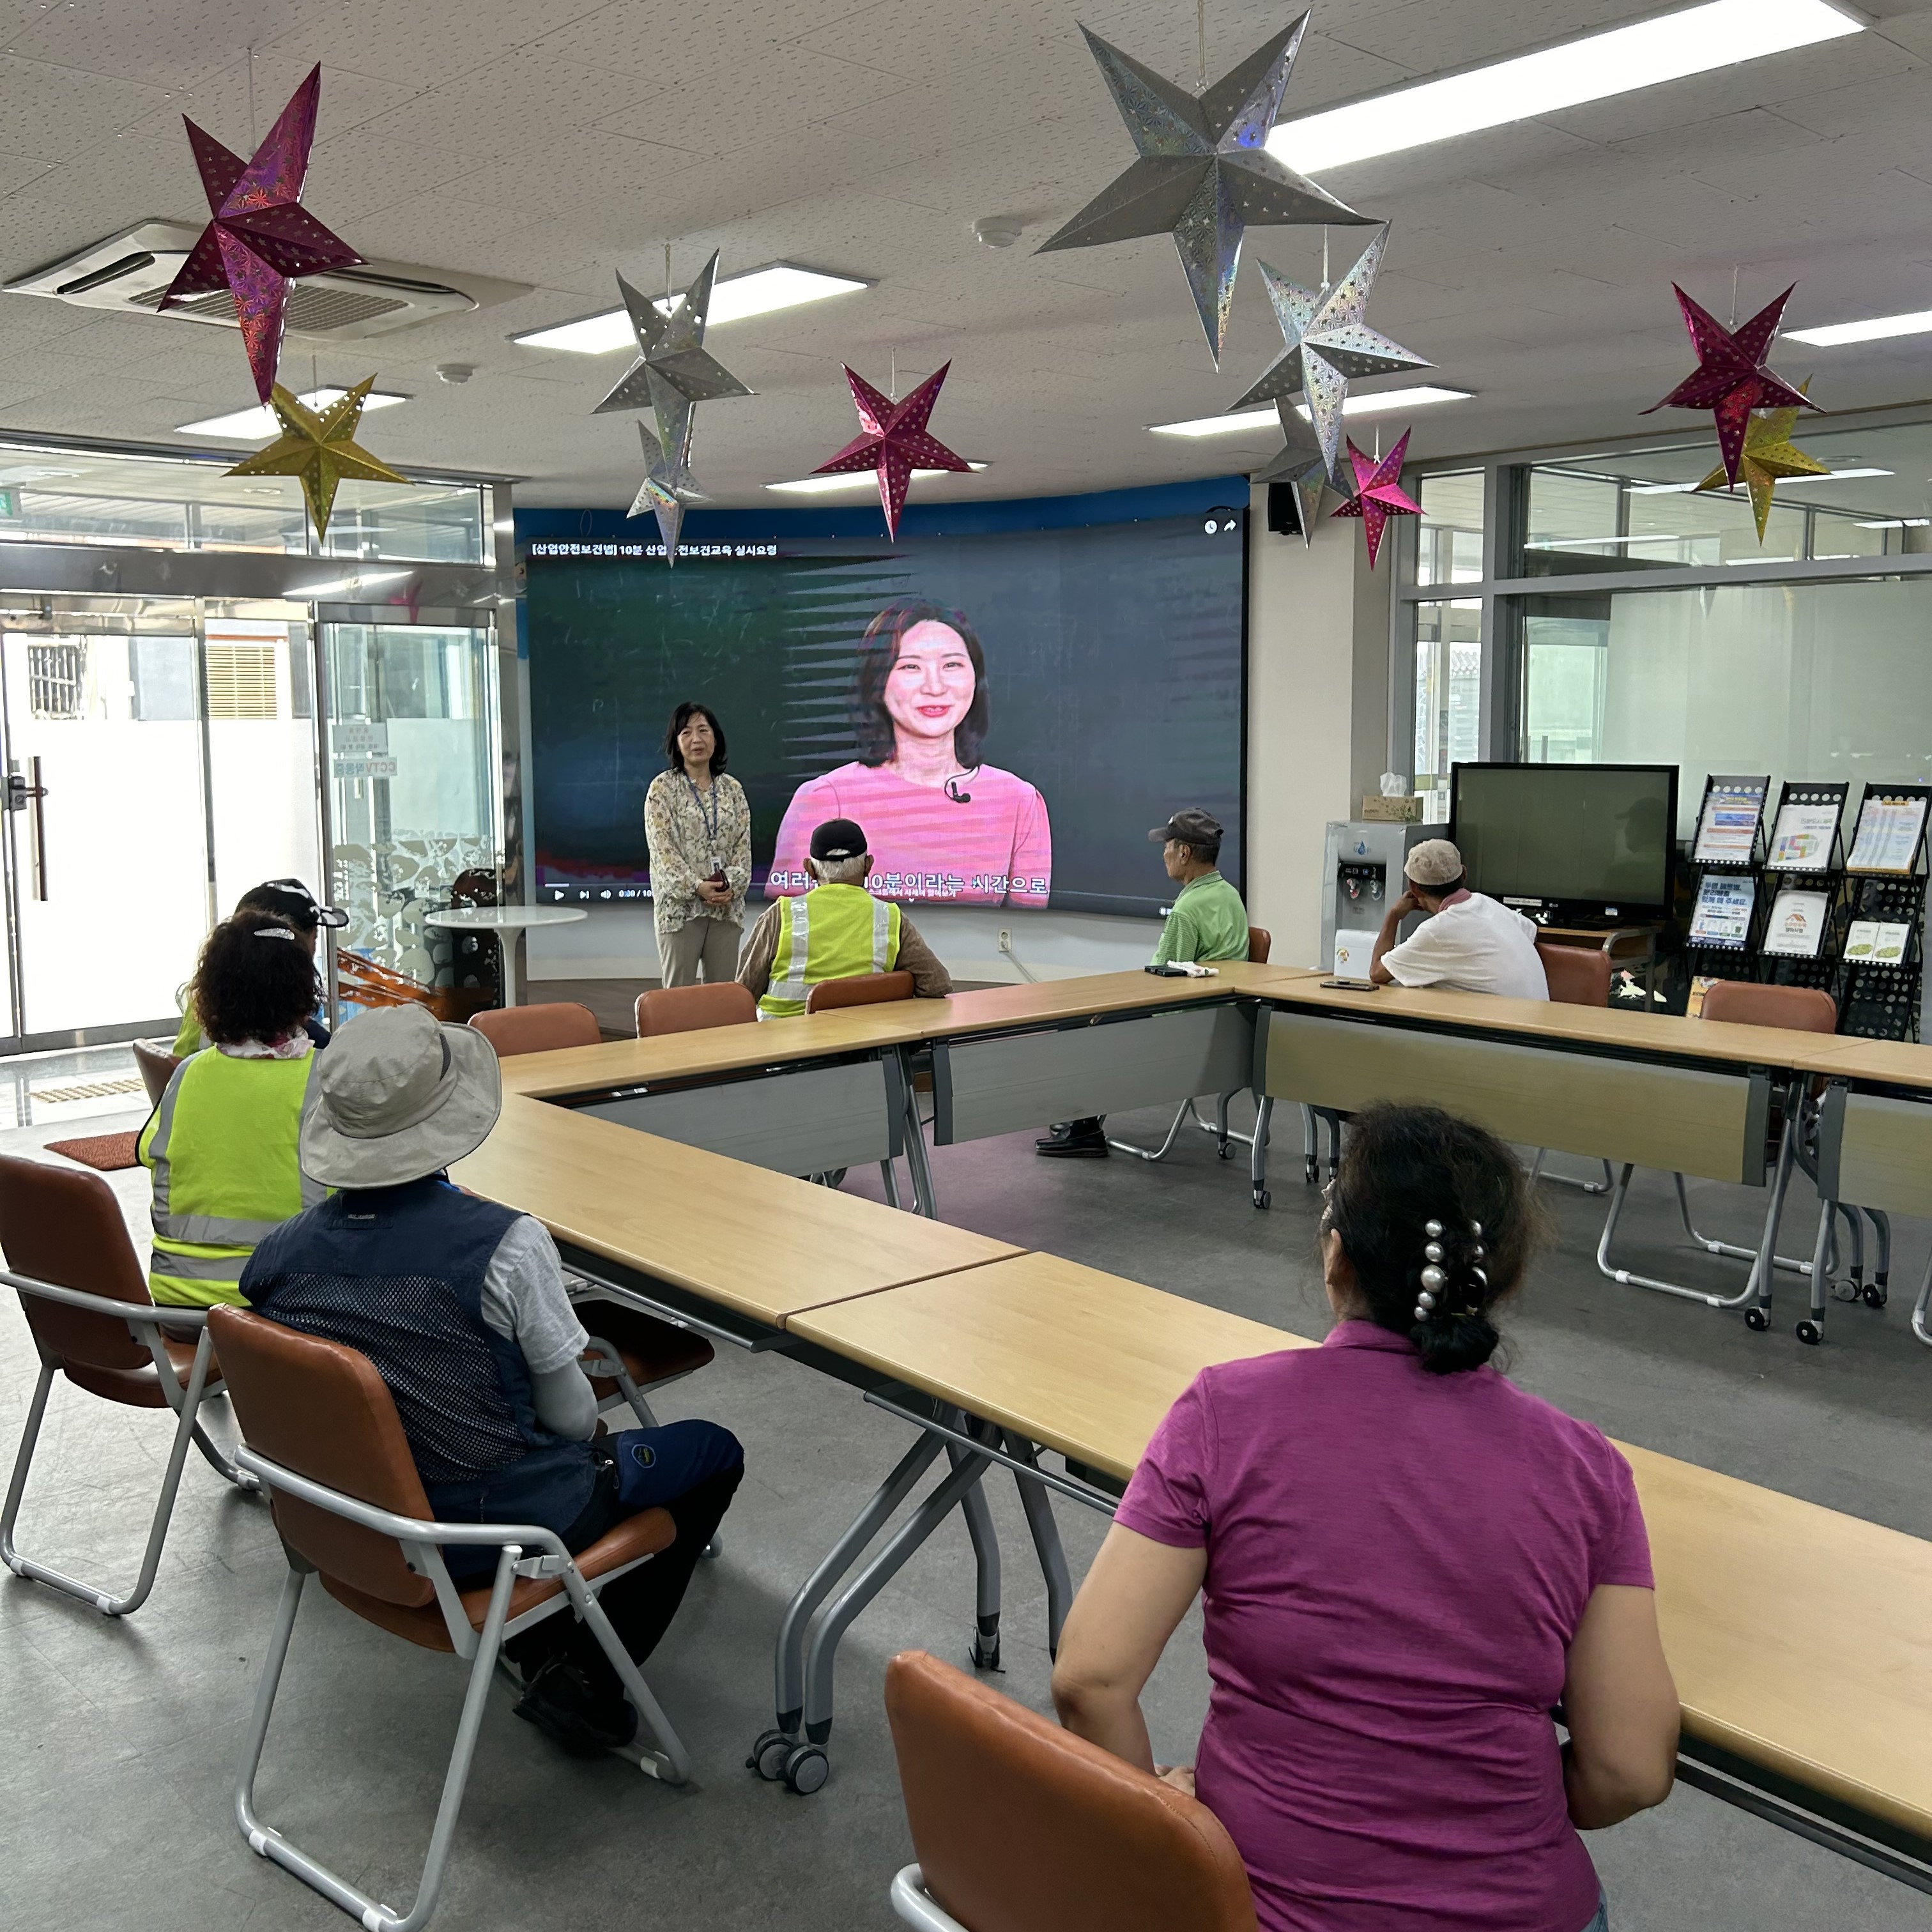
[
  {"x": 320, "y": 448},
  {"x": 1769, "y": 456}
]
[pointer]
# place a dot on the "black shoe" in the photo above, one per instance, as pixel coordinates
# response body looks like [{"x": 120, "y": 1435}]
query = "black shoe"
[
  {"x": 561, "y": 1703},
  {"x": 1061, "y": 1132},
  {"x": 1081, "y": 1140}
]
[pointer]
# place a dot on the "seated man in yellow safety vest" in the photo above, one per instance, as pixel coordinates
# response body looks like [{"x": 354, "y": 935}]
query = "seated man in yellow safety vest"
[{"x": 837, "y": 930}]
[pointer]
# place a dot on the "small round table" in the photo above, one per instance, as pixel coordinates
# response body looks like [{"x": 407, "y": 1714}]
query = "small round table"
[{"x": 511, "y": 924}]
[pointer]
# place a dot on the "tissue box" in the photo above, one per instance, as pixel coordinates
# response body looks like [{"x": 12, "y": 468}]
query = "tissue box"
[{"x": 1391, "y": 811}]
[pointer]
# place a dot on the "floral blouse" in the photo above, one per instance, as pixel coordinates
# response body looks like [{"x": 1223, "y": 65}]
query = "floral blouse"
[{"x": 679, "y": 822}]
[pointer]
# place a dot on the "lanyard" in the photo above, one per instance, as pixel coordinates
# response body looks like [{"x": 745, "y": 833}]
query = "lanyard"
[{"x": 708, "y": 813}]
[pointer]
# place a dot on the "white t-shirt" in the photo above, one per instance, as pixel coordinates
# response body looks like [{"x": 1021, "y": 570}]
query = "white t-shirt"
[
  {"x": 1475, "y": 945},
  {"x": 524, "y": 1299}
]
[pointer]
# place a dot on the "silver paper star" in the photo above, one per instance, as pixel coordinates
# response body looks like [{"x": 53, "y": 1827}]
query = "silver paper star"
[
  {"x": 673, "y": 370},
  {"x": 667, "y": 488},
  {"x": 1300, "y": 464},
  {"x": 1328, "y": 343},
  {"x": 1204, "y": 172}
]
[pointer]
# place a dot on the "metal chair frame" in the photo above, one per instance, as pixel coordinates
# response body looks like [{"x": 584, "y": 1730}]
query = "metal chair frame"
[
  {"x": 185, "y": 1400},
  {"x": 423, "y": 1543},
  {"x": 1922, "y": 1307},
  {"x": 917, "y": 1905}
]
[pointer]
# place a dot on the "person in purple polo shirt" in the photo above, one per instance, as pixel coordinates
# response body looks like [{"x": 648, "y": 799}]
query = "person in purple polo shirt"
[{"x": 1406, "y": 1562}]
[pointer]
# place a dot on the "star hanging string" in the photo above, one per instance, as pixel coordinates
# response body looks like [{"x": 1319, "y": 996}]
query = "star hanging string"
[
  {"x": 1379, "y": 493},
  {"x": 1328, "y": 343},
  {"x": 667, "y": 488},
  {"x": 674, "y": 371},
  {"x": 1204, "y": 173},
  {"x": 1300, "y": 464},
  {"x": 320, "y": 448},
  {"x": 1731, "y": 379},
  {"x": 1769, "y": 457},
  {"x": 260, "y": 236},
  {"x": 894, "y": 440}
]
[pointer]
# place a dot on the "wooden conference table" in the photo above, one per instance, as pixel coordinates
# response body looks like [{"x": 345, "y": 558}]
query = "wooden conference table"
[{"x": 998, "y": 1356}]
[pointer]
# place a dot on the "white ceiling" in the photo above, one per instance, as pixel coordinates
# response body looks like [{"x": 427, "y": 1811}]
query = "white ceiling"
[{"x": 549, "y": 141}]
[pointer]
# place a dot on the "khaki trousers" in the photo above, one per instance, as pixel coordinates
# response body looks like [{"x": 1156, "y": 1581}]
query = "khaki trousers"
[{"x": 700, "y": 948}]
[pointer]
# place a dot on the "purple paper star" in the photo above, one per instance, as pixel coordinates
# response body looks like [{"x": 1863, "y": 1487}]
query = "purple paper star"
[
  {"x": 1379, "y": 493},
  {"x": 1731, "y": 379},
  {"x": 261, "y": 236},
  {"x": 894, "y": 441}
]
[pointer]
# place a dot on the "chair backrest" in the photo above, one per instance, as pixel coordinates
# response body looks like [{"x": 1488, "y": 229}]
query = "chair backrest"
[
  {"x": 1802, "y": 1009},
  {"x": 1577, "y": 975},
  {"x": 863, "y": 989},
  {"x": 688, "y": 1009},
  {"x": 64, "y": 1225},
  {"x": 1020, "y": 1826},
  {"x": 321, "y": 1409},
  {"x": 542, "y": 1029},
  {"x": 1260, "y": 942},
  {"x": 157, "y": 1067}
]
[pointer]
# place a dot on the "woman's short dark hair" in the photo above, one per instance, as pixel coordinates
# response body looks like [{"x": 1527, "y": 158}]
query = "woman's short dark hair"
[
  {"x": 250, "y": 984},
  {"x": 879, "y": 651},
  {"x": 679, "y": 718},
  {"x": 1402, "y": 1168}
]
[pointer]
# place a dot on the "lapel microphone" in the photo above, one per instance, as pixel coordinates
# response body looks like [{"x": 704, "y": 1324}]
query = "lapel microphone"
[{"x": 958, "y": 796}]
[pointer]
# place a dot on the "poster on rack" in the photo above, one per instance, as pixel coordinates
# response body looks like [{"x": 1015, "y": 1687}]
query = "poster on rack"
[
  {"x": 1802, "y": 842},
  {"x": 1796, "y": 928},
  {"x": 1874, "y": 942},
  {"x": 1888, "y": 834},
  {"x": 1727, "y": 833},
  {"x": 1723, "y": 914}
]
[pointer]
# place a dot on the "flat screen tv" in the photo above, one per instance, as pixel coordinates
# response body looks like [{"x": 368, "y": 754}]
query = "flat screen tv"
[{"x": 1595, "y": 841}]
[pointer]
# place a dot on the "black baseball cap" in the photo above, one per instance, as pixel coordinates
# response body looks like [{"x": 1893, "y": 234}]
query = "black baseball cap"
[
  {"x": 839, "y": 838},
  {"x": 1191, "y": 826},
  {"x": 293, "y": 901}
]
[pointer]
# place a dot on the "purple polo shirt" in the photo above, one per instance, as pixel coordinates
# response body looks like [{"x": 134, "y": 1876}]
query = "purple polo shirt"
[{"x": 1397, "y": 1563}]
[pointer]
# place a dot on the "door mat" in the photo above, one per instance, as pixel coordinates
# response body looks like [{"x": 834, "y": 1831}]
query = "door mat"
[{"x": 106, "y": 1153}]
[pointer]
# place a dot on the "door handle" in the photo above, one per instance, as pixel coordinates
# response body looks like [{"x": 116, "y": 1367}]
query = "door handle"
[{"x": 29, "y": 794}]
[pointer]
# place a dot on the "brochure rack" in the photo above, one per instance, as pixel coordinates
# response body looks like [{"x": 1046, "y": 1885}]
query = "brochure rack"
[
  {"x": 1884, "y": 959},
  {"x": 1727, "y": 853},
  {"x": 1805, "y": 857}
]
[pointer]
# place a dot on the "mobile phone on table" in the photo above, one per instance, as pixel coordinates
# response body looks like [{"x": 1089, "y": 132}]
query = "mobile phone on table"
[{"x": 1352, "y": 986}]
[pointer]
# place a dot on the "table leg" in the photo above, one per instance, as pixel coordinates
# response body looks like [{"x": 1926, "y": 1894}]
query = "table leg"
[
  {"x": 1045, "y": 1532},
  {"x": 515, "y": 975}
]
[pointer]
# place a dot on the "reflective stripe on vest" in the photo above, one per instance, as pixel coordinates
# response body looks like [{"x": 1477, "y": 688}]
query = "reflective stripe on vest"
[{"x": 831, "y": 932}]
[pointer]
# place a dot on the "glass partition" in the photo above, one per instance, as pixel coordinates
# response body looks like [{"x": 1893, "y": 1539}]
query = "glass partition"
[
  {"x": 1448, "y": 688},
  {"x": 1450, "y": 548}
]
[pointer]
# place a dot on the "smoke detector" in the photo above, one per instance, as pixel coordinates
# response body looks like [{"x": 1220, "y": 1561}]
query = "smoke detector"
[{"x": 998, "y": 231}]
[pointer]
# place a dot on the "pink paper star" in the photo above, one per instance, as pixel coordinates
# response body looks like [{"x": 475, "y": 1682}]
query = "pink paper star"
[
  {"x": 1379, "y": 493},
  {"x": 894, "y": 441},
  {"x": 1731, "y": 379},
  {"x": 261, "y": 235}
]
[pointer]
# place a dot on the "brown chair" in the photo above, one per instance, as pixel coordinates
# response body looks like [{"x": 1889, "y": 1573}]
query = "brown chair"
[
  {"x": 87, "y": 1306},
  {"x": 1020, "y": 1826},
  {"x": 1576, "y": 975},
  {"x": 540, "y": 1029},
  {"x": 689, "y": 1009},
  {"x": 156, "y": 1065},
  {"x": 1792, "y": 1134},
  {"x": 1260, "y": 941},
  {"x": 320, "y": 1430},
  {"x": 863, "y": 989},
  {"x": 630, "y": 1352}
]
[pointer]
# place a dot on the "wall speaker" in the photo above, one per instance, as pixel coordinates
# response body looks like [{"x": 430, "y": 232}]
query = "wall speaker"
[{"x": 1284, "y": 511}]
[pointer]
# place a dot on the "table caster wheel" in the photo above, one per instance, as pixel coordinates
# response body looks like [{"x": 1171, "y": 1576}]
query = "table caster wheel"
[
  {"x": 768, "y": 1754},
  {"x": 1312, "y": 1171},
  {"x": 712, "y": 1551},
  {"x": 1810, "y": 1333},
  {"x": 806, "y": 1768},
  {"x": 1875, "y": 1296},
  {"x": 1262, "y": 1197},
  {"x": 1225, "y": 1150},
  {"x": 984, "y": 1653},
  {"x": 1757, "y": 1320}
]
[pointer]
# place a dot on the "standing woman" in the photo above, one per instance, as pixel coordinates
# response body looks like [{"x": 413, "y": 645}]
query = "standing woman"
[{"x": 697, "y": 823}]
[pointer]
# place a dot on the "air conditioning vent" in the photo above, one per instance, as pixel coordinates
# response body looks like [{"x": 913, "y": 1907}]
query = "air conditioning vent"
[{"x": 132, "y": 270}]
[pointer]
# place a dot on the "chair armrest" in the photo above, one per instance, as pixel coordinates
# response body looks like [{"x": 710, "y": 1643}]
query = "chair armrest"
[{"x": 140, "y": 1314}]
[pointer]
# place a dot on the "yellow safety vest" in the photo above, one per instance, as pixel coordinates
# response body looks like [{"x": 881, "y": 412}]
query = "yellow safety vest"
[
  {"x": 831, "y": 932},
  {"x": 223, "y": 1147}
]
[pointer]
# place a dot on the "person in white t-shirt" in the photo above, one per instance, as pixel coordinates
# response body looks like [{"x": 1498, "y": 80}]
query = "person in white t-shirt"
[{"x": 1468, "y": 944}]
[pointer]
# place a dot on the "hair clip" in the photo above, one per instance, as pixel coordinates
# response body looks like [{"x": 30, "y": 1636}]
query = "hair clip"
[{"x": 273, "y": 932}]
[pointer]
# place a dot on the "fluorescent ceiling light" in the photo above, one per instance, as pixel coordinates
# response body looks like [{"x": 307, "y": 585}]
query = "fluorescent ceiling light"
[
  {"x": 1694, "y": 40},
  {"x": 1876, "y": 328},
  {"x": 1835, "y": 476},
  {"x": 862, "y": 479},
  {"x": 258, "y": 425},
  {"x": 1790, "y": 482},
  {"x": 1899, "y": 523},
  {"x": 757, "y": 292},
  {"x": 1375, "y": 404}
]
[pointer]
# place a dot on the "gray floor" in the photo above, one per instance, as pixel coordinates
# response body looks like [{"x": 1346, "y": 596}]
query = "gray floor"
[{"x": 120, "y": 1740}]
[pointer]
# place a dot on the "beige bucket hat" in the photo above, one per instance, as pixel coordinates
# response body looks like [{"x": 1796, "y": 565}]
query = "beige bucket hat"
[{"x": 399, "y": 1096}]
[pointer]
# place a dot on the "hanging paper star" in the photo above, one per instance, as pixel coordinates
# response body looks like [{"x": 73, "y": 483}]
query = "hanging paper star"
[
  {"x": 667, "y": 488},
  {"x": 1379, "y": 493},
  {"x": 1205, "y": 172},
  {"x": 261, "y": 235},
  {"x": 1328, "y": 342},
  {"x": 1299, "y": 464},
  {"x": 1731, "y": 379},
  {"x": 893, "y": 440},
  {"x": 320, "y": 448},
  {"x": 674, "y": 370},
  {"x": 1769, "y": 457}
]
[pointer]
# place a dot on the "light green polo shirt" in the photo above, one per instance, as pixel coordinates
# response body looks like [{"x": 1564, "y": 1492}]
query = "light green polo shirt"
[{"x": 1208, "y": 922}]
